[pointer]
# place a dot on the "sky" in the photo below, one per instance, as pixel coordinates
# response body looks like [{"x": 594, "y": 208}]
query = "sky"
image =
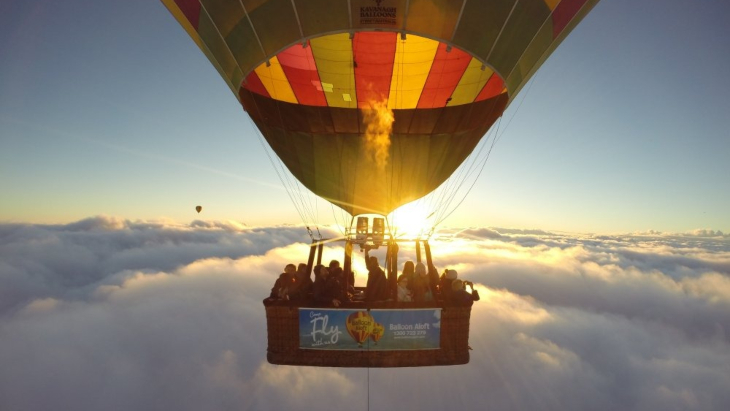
[
  {"x": 597, "y": 235},
  {"x": 108, "y": 108}
]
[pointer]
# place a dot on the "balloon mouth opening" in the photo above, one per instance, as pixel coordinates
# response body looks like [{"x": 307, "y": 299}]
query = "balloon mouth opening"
[
  {"x": 375, "y": 67},
  {"x": 346, "y": 110}
]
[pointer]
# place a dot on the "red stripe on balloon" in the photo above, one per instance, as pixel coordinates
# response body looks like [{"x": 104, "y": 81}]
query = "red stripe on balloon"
[
  {"x": 564, "y": 13},
  {"x": 493, "y": 88},
  {"x": 446, "y": 71},
  {"x": 374, "y": 55},
  {"x": 254, "y": 84},
  {"x": 301, "y": 71},
  {"x": 191, "y": 10}
]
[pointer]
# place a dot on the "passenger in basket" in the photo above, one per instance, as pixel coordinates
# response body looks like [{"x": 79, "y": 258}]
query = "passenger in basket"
[
  {"x": 404, "y": 294},
  {"x": 346, "y": 279},
  {"x": 422, "y": 292},
  {"x": 377, "y": 286},
  {"x": 433, "y": 280},
  {"x": 335, "y": 270},
  {"x": 303, "y": 285},
  {"x": 409, "y": 271},
  {"x": 285, "y": 284},
  {"x": 459, "y": 295},
  {"x": 327, "y": 289},
  {"x": 447, "y": 278}
]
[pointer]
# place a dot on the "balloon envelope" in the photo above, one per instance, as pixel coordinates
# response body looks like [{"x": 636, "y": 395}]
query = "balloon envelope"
[
  {"x": 373, "y": 104},
  {"x": 359, "y": 325},
  {"x": 377, "y": 332},
  {"x": 198, "y": 209}
]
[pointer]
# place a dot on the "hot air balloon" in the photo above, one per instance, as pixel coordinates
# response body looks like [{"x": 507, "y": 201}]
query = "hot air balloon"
[
  {"x": 198, "y": 209},
  {"x": 310, "y": 73},
  {"x": 377, "y": 332},
  {"x": 359, "y": 325},
  {"x": 372, "y": 104}
]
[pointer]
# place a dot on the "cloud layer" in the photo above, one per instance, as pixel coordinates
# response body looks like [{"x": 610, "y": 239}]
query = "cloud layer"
[{"x": 106, "y": 313}]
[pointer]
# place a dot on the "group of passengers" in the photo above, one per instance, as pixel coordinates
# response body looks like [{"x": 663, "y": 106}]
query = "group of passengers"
[
  {"x": 331, "y": 285},
  {"x": 418, "y": 284},
  {"x": 293, "y": 284},
  {"x": 328, "y": 287}
]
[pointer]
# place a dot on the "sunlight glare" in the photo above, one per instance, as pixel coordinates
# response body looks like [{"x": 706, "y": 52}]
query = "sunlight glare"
[{"x": 411, "y": 220}]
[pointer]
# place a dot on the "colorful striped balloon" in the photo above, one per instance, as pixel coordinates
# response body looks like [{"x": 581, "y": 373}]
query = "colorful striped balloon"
[
  {"x": 377, "y": 332},
  {"x": 372, "y": 104},
  {"x": 359, "y": 325}
]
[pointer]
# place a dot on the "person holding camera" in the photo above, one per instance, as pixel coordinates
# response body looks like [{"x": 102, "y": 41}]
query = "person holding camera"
[{"x": 459, "y": 295}]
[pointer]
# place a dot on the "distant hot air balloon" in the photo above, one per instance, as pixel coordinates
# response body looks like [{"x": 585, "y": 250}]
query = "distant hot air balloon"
[
  {"x": 373, "y": 104},
  {"x": 359, "y": 326},
  {"x": 198, "y": 209},
  {"x": 377, "y": 332}
]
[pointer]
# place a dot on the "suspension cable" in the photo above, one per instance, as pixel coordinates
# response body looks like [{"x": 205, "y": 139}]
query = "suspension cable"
[
  {"x": 289, "y": 187},
  {"x": 484, "y": 163},
  {"x": 467, "y": 171},
  {"x": 497, "y": 135}
]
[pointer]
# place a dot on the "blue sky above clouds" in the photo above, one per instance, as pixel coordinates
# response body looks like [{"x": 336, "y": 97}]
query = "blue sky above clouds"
[{"x": 110, "y": 108}]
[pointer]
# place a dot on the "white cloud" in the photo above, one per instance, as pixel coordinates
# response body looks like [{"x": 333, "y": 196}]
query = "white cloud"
[{"x": 111, "y": 314}]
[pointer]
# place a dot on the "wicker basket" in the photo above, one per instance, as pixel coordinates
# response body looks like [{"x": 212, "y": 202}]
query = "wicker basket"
[{"x": 282, "y": 321}]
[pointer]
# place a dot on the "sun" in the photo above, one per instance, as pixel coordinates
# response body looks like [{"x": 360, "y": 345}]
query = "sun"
[{"x": 412, "y": 220}]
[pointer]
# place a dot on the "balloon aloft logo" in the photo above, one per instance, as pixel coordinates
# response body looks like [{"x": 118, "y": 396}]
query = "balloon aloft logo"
[
  {"x": 360, "y": 326},
  {"x": 377, "y": 332}
]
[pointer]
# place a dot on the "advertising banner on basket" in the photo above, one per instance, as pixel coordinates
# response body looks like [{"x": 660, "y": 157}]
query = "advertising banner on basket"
[{"x": 343, "y": 329}]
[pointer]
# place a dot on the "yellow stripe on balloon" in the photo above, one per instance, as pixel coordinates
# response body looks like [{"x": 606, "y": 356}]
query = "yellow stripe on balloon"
[
  {"x": 333, "y": 56},
  {"x": 471, "y": 83},
  {"x": 413, "y": 60},
  {"x": 275, "y": 81},
  {"x": 183, "y": 20},
  {"x": 552, "y": 4}
]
